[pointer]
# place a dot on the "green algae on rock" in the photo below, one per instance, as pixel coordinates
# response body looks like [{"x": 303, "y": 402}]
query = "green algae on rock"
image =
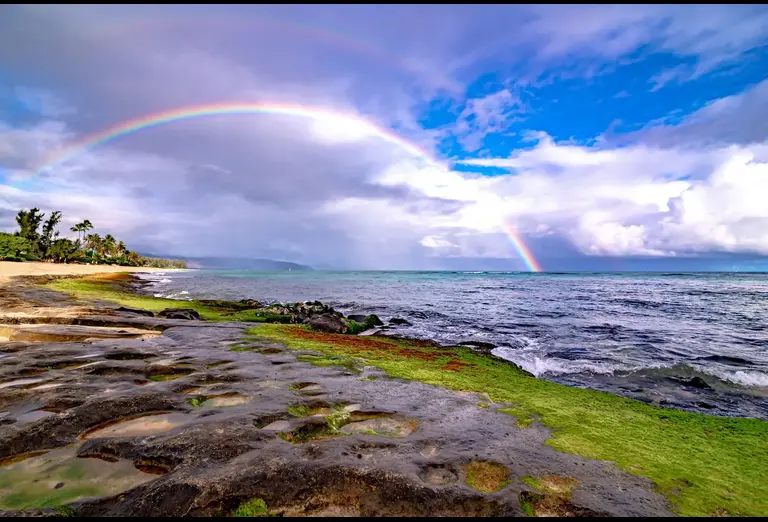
[
  {"x": 661, "y": 444},
  {"x": 57, "y": 477}
]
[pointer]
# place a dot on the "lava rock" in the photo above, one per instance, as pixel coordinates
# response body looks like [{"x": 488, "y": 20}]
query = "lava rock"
[
  {"x": 399, "y": 320},
  {"x": 251, "y": 303},
  {"x": 480, "y": 345},
  {"x": 180, "y": 313},
  {"x": 359, "y": 318},
  {"x": 372, "y": 320},
  {"x": 326, "y": 323},
  {"x": 697, "y": 382},
  {"x": 137, "y": 311}
]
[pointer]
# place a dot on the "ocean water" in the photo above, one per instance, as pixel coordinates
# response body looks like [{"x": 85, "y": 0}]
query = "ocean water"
[{"x": 690, "y": 341}]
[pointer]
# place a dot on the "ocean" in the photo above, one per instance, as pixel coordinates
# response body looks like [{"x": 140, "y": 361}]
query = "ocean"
[{"x": 692, "y": 341}]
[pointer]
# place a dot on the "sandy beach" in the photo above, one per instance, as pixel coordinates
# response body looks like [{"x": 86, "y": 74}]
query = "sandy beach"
[{"x": 11, "y": 269}]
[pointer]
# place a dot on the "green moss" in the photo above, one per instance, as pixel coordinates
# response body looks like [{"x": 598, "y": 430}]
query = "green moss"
[
  {"x": 487, "y": 477},
  {"x": 34, "y": 499},
  {"x": 298, "y": 410},
  {"x": 369, "y": 378},
  {"x": 527, "y": 507},
  {"x": 727, "y": 458},
  {"x": 523, "y": 416},
  {"x": 483, "y": 405},
  {"x": 337, "y": 419},
  {"x": 64, "y": 511},
  {"x": 253, "y": 508},
  {"x": 197, "y": 401},
  {"x": 350, "y": 363},
  {"x": 354, "y": 328}
]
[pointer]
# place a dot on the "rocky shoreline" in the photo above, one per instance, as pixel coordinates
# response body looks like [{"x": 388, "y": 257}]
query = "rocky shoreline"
[{"x": 113, "y": 410}]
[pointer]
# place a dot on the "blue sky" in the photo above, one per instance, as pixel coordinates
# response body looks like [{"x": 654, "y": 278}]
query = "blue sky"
[{"x": 610, "y": 137}]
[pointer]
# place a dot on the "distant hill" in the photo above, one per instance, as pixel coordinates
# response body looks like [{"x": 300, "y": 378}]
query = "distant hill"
[{"x": 233, "y": 263}]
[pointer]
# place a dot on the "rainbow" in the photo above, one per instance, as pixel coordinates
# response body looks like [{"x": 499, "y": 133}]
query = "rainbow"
[
  {"x": 184, "y": 113},
  {"x": 522, "y": 249},
  {"x": 199, "y": 111}
]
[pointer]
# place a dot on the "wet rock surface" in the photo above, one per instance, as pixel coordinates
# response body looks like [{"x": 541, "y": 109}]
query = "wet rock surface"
[{"x": 195, "y": 420}]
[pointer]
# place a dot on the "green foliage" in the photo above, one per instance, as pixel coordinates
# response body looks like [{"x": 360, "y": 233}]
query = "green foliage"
[
  {"x": 726, "y": 459},
  {"x": 354, "y": 328},
  {"x": 32, "y": 245},
  {"x": 298, "y": 410},
  {"x": 49, "y": 232},
  {"x": 197, "y": 401},
  {"x": 253, "y": 508},
  {"x": 28, "y": 222},
  {"x": 13, "y": 248}
]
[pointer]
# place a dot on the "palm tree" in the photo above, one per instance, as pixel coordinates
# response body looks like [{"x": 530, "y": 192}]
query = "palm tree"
[
  {"x": 93, "y": 243},
  {"x": 108, "y": 245},
  {"x": 121, "y": 249},
  {"x": 82, "y": 227}
]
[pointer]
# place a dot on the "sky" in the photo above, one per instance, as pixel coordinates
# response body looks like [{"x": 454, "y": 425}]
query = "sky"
[{"x": 493, "y": 137}]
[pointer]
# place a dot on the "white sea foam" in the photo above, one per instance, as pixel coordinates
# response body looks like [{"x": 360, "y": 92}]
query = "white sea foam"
[{"x": 745, "y": 378}]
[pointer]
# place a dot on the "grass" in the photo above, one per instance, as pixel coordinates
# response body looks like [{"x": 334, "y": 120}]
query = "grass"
[
  {"x": 721, "y": 461},
  {"x": 197, "y": 401},
  {"x": 486, "y": 477},
  {"x": 725, "y": 460},
  {"x": 110, "y": 287},
  {"x": 253, "y": 508},
  {"x": 298, "y": 410}
]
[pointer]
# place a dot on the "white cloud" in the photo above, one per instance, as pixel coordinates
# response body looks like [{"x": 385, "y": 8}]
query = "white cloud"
[{"x": 482, "y": 116}]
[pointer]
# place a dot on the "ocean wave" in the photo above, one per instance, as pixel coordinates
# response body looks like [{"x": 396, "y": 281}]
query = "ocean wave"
[
  {"x": 175, "y": 295},
  {"x": 541, "y": 366},
  {"x": 546, "y": 366},
  {"x": 751, "y": 379}
]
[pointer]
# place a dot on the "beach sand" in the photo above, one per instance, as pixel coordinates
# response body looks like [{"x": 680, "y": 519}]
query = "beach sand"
[{"x": 11, "y": 269}]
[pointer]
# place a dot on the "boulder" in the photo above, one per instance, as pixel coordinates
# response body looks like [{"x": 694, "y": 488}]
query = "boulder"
[
  {"x": 180, "y": 313},
  {"x": 372, "y": 320},
  {"x": 137, "y": 311},
  {"x": 479, "y": 345},
  {"x": 697, "y": 382},
  {"x": 251, "y": 303},
  {"x": 399, "y": 320},
  {"x": 326, "y": 323},
  {"x": 359, "y": 318}
]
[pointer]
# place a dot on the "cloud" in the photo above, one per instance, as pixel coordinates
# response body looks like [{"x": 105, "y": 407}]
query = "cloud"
[
  {"x": 493, "y": 113},
  {"x": 330, "y": 191}
]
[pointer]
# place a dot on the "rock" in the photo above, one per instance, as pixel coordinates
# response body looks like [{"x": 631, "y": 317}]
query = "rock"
[
  {"x": 399, "y": 320},
  {"x": 180, "y": 313},
  {"x": 137, "y": 311},
  {"x": 697, "y": 382},
  {"x": 251, "y": 303},
  {"x": 372, "y": 320},
  {"x": 481, "y": 345},
  {"x": 326, "y": 323},
  {"x": 360, "y": 318}
]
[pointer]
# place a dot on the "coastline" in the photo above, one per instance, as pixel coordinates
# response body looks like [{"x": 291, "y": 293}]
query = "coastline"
[
  {"x": 677, "y": 450},
  {"x": 10, "y": 269}
]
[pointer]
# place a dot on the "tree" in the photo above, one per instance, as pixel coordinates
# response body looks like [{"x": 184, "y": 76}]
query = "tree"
[
  {"x": 13, "y": 247},
  {"x": 121, "y": 250},
  {"x": 108, "y": 246},
  {"x": 93, "y": 243},
  {"x": 29, "y": 222},
  {"x": 82, "y": 227},
  {"x": 63, "y": 250},
  {"x": 49, "y": 233}
]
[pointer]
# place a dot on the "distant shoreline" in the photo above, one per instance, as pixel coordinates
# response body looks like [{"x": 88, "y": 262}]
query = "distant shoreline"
[{"x": 10, "y": 269}]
